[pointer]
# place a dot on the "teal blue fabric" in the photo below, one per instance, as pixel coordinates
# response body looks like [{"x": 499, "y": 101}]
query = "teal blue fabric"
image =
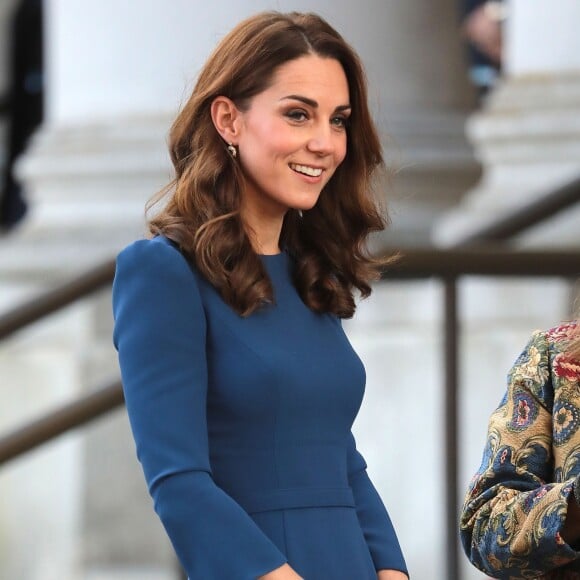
[{"x": 243, "y": 425}]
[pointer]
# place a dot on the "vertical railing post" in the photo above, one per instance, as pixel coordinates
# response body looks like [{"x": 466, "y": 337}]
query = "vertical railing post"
[{"x": 451, "y": 333}]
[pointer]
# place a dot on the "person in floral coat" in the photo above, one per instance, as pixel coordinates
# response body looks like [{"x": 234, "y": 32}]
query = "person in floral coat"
[{"x": 521, "y": 515}]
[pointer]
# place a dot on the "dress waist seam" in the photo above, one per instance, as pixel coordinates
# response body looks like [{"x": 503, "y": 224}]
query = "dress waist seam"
[{"x": 292, "y": 498}]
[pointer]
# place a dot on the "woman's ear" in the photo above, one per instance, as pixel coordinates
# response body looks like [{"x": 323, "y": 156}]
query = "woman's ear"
[{"x": 226, "y": 118}]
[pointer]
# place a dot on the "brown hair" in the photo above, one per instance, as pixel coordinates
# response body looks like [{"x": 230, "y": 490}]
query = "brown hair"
[{"x": 201, "y": 210}]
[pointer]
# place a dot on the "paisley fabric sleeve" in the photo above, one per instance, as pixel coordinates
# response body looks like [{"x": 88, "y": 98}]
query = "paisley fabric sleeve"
[{"x": 513, "y": 511}]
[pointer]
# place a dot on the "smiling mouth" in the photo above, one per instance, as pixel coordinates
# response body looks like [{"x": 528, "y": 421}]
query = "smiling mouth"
[{"x": 306, "y": 170}]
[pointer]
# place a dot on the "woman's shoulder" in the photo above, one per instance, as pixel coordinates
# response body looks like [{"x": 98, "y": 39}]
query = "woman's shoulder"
[
  {"x": 158, "y": 251},
  {"x": 556, "y": 337},
  {"x": 551, "y": 348},
  {"x": 150, "y": 247},
  {"x": 158, "y": 257}
]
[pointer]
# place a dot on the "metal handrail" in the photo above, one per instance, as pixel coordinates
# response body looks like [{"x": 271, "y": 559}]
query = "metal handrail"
[
  {"x": 415, "y": 263},
  {"x": 522, "y": 218},
  {"x": 53, "y": 300},
  {"x": 451, "y": 424},
  {"x": 481, "y": 261},
  {"x": 61, "y": 420}
]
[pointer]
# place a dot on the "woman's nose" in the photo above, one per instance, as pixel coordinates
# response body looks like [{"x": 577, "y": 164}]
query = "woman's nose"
[{"x": 322, "y": 141}]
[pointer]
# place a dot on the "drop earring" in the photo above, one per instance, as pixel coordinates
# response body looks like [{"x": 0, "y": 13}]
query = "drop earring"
[{"x": 232, "y": 150}]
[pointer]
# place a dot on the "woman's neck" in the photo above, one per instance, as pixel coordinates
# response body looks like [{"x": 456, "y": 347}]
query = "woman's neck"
[{"x": 263, "y": 230}]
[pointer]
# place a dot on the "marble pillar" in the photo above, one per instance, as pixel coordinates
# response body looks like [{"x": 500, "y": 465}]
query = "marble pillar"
[{"x": 527, "y": 135}]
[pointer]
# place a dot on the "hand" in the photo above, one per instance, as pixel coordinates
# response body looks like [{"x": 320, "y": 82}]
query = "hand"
[
  {"x": 391, "y": 575},
  {"x": 285, "y": 572}
]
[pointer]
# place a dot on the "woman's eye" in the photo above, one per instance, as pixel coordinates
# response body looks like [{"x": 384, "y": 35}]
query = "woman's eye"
[
  {"x": 297, "y": 115},
  {"x": 339, "y": 121}
]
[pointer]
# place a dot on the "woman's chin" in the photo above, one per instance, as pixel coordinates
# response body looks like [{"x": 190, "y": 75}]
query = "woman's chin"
[{"x": 305, "y": 204}]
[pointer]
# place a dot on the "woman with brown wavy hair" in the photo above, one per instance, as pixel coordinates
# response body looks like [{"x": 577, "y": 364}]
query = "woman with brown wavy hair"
[{"x": 240, "y": 384}]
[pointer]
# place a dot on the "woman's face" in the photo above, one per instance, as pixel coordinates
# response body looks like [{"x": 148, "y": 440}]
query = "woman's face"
[{"x": 293, "y": 136}]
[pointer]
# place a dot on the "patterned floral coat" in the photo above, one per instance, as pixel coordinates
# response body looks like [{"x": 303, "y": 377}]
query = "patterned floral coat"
[{"x": 516, "y": 503}]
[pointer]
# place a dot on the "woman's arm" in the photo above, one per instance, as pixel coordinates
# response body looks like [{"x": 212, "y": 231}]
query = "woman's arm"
[
  {"x": 513, "y": 516},
  {"x": 374, "y": 520},
  {"x": 160, "y": 335}
]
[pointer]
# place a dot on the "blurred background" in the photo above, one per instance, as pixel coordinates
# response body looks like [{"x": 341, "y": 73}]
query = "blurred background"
[{"x": 478, "y": 104}]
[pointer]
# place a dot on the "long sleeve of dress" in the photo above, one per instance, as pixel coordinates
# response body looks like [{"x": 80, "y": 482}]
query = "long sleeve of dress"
[
  {"x": 374, "y": 519},
  {"x": 516, "y": 505},
  {"x": 160, "y": 336}
]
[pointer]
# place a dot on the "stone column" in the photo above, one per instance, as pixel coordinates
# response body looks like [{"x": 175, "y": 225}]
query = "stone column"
[
  {"x": 115, "y": 78},
  {"x": 527, "y": 135}
]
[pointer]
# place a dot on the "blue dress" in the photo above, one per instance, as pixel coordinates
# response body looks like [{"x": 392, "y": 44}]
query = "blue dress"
[{"x": 243, "y": 425}]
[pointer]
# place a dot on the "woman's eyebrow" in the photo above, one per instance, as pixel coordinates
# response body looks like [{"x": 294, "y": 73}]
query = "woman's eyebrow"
[{"x": 311, "y": 102}]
